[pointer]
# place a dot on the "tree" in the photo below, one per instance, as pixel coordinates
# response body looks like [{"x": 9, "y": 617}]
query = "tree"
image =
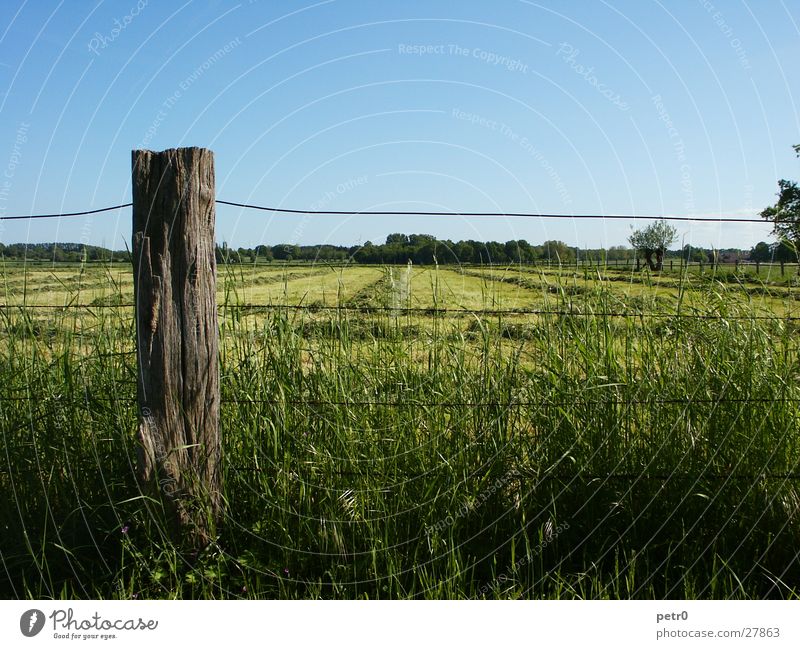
[
  {"x": 464, "y": 252},
  {"x": 557, "y": 251},
  {"x": 615, "y": 253},
  {"x": 518, "y": 251},
  {"x": 653, "y": 240},
  {"x": 690, "y": 254},
  {"x": 263, "y": 252},
  {"x": 402, "y": 239},
  {"x": 495, "y": 252},
  {"x": 783, "y": 251},
  {"x": 417, "y": 240},
  {"x": 285, "y": 252},
  {"x": 785, "y": 214},
  {"x": 761, "y": 252}
]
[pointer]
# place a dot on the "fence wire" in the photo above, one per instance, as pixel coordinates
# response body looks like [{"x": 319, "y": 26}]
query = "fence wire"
[
  {"x": 430, "y": 311},
  {"x": 537, "y": 215}
]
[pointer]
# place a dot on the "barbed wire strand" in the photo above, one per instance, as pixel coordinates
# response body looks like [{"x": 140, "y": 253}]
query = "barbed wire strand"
[
  {"x": 684, "y": 401},
  {"x": 537, "y": 215},
  {"x": 429, "y": 311},
  {"x": 586, "y": 476},
  {"x": 64, "y": 214}
]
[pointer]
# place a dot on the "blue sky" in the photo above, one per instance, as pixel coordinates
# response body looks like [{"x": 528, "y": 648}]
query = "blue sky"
[{"x": 617, "y": 107}]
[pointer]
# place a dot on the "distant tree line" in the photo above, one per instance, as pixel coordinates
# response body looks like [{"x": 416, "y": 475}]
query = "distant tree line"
[
  {"x": 426, "y": 249},
  {"x": 61, "y": 252},
  {"x": 417, "y": 248},
  {"x": 422, "y": 249},
  {"x": 762, "y": 252}
]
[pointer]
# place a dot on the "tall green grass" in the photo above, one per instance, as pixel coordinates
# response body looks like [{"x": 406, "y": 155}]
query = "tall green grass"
[{"x": 396, "y": 455}]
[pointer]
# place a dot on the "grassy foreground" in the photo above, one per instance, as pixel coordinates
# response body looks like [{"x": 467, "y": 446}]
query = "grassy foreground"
[{"x": 386, "y": 454}]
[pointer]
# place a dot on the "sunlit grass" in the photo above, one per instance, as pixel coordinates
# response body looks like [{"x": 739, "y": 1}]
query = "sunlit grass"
[{"x": 390, "y": 454}]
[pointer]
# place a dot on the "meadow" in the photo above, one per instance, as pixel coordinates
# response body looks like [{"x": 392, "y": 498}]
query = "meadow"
[{"x": 419, "y": 432}]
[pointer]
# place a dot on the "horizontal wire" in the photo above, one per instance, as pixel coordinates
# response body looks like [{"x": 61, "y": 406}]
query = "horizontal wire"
[
  {"x": 571, "y": 477},
  {"x": 538, "y": 215},
  {"x": 665, "y": 477},
  {"x": 619, "y": 265},
  {"x": 428, "y": 311},
  {"x": 512, "y": 404},
  {"x": 57, "y": 307},
  {"x": 452, "y": 404},
  {"x": 560, "y": 312},
  {"x": 55, "y": 216}
]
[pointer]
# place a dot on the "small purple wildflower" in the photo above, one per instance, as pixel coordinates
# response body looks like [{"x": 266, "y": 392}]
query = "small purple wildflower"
[
  {"x": 125, "y": 529},
  {"x": 286, "y": 571}
]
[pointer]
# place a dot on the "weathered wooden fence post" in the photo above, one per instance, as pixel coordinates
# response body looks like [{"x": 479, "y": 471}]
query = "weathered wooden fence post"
[{"x": 176, "y": 338}]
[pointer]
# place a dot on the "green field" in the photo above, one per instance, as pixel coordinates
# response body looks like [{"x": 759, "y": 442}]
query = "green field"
[{"x": 419, "y": 432}]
